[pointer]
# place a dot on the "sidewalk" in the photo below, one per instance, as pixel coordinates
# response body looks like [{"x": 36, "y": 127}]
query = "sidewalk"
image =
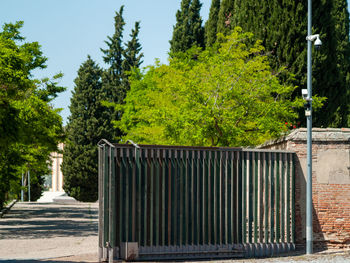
[
  {"x": 57, "y": 233},
  {"x": 38, "y": 232}
]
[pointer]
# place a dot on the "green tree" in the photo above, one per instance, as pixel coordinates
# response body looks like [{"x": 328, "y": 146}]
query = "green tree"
[
  {"x": 29, "y": 127},
  {"x": 87, "y": 124},
  {"x": 196, "y": 27},
  {"x": 120, "y": 60},
  {"x": 332, "y": 64},
  {"x": 211, "y": 24},
  {"x": 227, "y": 96},
  {"x": 132, "y": 56},
  {"x": 282, "y": 28},
  {"x": 181, "y": 33},
  {"x": 113, "y": 57},
  {"x": 226, "y": 13},
  {"x": 188, "y": 30},
  {"x": 113, "y": 75}
]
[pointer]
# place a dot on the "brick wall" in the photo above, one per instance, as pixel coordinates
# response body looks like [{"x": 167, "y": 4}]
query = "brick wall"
[{"x": 331, "y": 185}]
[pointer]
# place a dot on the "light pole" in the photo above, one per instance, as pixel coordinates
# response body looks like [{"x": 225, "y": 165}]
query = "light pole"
[{"x": 307, "y": 95}]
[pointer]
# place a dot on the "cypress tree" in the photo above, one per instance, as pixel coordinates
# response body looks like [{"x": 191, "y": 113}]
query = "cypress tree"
[
  {"x": 132, "y": 55},
  {"x": 211, "y": 24},
  {"x": 113, "y": 57},
  {"x": 226, "y": 14},
  {"x": 188, "y": 30},
  {"x": 181, "y": 33},
  {"x": 332, "y": 63},
  {"x": 282, "y": 26},
  {"x": 196, "y": 27},
  {"x": 87, "y": 124},
  {"x": 112, "y": 78}
]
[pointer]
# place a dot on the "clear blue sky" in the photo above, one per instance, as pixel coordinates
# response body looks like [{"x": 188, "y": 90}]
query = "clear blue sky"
[{"x": 69, "y": 30}]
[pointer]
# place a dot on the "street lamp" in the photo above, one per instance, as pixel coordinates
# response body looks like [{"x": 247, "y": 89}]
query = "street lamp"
[{"x": 307, "y": 95}]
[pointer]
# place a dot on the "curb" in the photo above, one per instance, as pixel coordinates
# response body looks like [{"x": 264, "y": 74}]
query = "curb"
[{"x": 7, "y": 208}]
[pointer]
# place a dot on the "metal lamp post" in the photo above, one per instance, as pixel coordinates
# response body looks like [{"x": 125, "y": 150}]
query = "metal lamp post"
[{"x": 307, "y": 94}]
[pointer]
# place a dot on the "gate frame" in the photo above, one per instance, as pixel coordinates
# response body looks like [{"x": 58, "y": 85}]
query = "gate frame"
[{"x": 108, "y": 250}]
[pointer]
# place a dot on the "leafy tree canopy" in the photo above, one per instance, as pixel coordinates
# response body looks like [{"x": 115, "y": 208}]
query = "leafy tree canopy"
[
  {"x": 29, "y": 127},
  {"x": 226, "y": 95},
  {"x": 282, "y": 27}
]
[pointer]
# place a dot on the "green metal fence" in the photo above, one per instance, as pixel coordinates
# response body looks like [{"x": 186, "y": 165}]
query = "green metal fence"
[{"x": 161, "y": 202}]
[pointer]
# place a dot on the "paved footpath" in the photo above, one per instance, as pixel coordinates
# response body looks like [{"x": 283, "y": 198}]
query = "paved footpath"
[
  {"x": 46, "y": 232},
  {"x": 49, "y": 232}
]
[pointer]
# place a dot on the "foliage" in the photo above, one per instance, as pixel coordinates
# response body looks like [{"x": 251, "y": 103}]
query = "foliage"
[
  {"x": 211, "y": 24},
  {"x": 195, "y": 20},
  {"x": 87, "y": 124},
  {"x": 120, "y": 60},
  {"x": 223, "y": 96},
  {"x": 113, "y": 53},
  {"x": 112, "y": 77},
  {"x": 188, "y": 30},
  {"x": 132, "y": 56},
  {"x": 282, "y": 27},
  {"x": 29, "y": 127},
  {"x": 96, "y": 92},
  {"x": 226, "y": 12}
]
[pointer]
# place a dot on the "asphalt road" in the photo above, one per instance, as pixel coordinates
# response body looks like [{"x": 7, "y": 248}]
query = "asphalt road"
[{"x": 43, "y": 232}]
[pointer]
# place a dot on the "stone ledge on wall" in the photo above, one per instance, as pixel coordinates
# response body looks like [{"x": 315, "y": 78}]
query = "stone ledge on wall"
[
  {"x": 321, "y": 134},
  {"x": 318, "y": 135}
]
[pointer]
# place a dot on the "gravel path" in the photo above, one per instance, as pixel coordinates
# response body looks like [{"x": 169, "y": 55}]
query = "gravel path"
[{"x": 39, "y": 231}]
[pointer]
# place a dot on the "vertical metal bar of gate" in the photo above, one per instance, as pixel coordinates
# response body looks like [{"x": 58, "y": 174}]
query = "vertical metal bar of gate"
[
  {"x": 288, "y": 195},
  {"x": 293, "y": 200},
  {"x": 105, "y": 162},
  {"x": 100, "y": 201},
  {"x": 111, "y": 205}
]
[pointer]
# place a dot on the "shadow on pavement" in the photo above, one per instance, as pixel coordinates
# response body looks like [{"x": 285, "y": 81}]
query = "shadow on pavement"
[
  {"x": 48, "y": 221},
  {"x": 51, "y": 211},
  {"x": 49, "y": 229},
  {"x": 40, "y": 260}
]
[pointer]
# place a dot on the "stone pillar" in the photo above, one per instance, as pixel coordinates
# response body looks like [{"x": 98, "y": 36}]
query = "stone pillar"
[{"x": 56, "y": 173}]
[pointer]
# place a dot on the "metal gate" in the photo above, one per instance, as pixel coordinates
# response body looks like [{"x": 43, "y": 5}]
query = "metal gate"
[{"x": 168, "y": 202}]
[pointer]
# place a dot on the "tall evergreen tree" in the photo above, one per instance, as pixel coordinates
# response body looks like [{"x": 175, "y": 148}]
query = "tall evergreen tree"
[
  {"x": 212, "y": 22},
  {"x": 113, "y": 57},
  {"x": 188, "y": 30},
  {"x": 226, "y": 13},
  {"x": 332, "y": 72},
  {"x": 180, "y": 40},
  {"x": 181, "y": 32},
  {"x": 282, "y": 26},
  {"x": 87, "y": 124},
  {"x": 120, "y": 60},
  {"x": 132, "y": 55},
  {"x": 196, "y": 27},
  {"x": 113, "y": 76}
]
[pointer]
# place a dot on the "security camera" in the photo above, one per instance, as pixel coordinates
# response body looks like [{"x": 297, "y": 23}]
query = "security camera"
[
  {"x": 305, "y": 94},
  {"x": 318, "y": 43},
  {"x": 316, "y": 38}
]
